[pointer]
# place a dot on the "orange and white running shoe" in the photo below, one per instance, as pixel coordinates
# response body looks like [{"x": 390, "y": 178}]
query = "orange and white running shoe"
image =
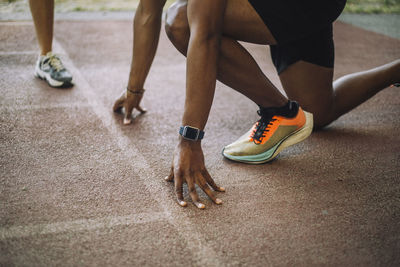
[{"x": 277, "y": 129}]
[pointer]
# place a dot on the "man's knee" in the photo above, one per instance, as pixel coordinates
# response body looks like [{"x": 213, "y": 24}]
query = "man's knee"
[{"x": 177, "y": 27}]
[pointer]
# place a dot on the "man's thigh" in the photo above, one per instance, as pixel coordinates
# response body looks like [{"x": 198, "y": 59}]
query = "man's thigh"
[
  {"x": 241, "y": 21},
  {"x": 152, "y": 5}
]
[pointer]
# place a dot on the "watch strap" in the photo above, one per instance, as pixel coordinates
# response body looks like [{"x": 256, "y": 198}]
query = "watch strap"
[{"x": 191, "y": 133}]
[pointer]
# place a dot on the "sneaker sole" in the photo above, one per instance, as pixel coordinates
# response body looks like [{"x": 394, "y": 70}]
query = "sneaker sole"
[
  {"x": 45, "y": 76},
  {"x": 270, "y": 154}
]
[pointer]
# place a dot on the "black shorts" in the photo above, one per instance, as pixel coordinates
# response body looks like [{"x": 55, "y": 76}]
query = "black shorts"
[{"x": 302, "y": 29}]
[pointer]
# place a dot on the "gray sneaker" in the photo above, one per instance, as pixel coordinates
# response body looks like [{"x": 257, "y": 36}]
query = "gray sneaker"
[{"x": 51, "y": 69}]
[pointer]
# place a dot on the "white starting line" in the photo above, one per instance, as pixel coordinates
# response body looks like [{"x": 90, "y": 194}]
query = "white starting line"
[{"x": 79, "y": 225}]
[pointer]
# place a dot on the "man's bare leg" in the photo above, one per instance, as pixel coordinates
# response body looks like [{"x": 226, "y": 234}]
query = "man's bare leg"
[
  {"x": 237, "y": 68},
  {"x": 353, "y": 89},
  {"x": 328, "y": 101},
  {"x": 316, "y": 92},
  {"x": 146, "y": 32}
]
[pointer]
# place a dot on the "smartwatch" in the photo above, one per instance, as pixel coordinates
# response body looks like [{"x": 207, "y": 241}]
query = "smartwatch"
[{"x": 191, "y": 133}]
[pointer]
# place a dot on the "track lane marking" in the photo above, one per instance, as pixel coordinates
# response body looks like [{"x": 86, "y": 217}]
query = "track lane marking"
[
  {"x": 79, "y": 225},
  {"x": 12, "y": 53}
]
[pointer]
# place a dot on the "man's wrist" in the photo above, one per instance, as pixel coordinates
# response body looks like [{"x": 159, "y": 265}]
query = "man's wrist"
[
  {"x": 135, "y": 91},
  {"x": 188, "y": 143}
]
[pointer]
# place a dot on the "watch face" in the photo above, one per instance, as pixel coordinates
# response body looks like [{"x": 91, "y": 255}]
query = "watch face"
[{"x": 191, "y": 133}]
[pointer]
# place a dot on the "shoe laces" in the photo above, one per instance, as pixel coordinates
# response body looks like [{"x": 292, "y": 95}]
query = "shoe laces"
[
  {"x": 261, "y": 128},
  {"x": 55, "y": 62}
]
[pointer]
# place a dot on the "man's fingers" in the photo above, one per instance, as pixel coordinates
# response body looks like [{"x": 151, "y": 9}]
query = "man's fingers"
[
  {"x": 211, "y": 182},
  {"x": 204, "y": 186},
  {"x": 118, "y": 105},
  {"x": 127, "y": 121},
  {"x": 137, "y": 103},
  {"x": 170, "y": 177},
  {"x": 179, "y": 190},
  {"x": 128, "y": 113},
  {"x": 128, "y": 101},
  {"x": 193, "y": 193},
  {"x": 140, "y": 109}
]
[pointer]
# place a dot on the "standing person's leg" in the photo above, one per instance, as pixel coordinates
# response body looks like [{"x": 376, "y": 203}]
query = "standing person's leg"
[
  {"x": 146, "y": 32},
  {"x": 283, "y": 123},
  {"x": 43, "y": 17},
  {"x": 48, "y": 66}
]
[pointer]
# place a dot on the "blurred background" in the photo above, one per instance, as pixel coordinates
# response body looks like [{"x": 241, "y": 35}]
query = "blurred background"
[{"x": 353, "y": 6}]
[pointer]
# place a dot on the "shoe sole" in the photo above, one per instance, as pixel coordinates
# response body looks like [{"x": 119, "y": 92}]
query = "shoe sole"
[
  {"x": 45, "y": 76},
  {"x": 294, "y": 138}
]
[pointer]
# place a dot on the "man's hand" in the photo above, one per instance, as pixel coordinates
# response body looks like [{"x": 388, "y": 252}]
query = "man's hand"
[
  {"x": 188, "y": 166},
  {"x": 129, "y": 101}
]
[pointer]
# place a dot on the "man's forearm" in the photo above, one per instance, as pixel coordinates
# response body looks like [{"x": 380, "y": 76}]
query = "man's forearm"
[
  {"x": 146, "y": 31},
  {"x": 200, "y": 81},
  {"x": 202, "y": 59},
  {"x": 205, "y": 19}
]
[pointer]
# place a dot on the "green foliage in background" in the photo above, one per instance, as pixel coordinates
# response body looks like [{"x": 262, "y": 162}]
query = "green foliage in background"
[{"x": 373, "y": 6}]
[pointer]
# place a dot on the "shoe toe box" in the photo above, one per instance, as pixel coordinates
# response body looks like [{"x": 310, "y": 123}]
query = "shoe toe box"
[
  {"x": 243, "y": 148},
  {"x": 63, "y": 75}
]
